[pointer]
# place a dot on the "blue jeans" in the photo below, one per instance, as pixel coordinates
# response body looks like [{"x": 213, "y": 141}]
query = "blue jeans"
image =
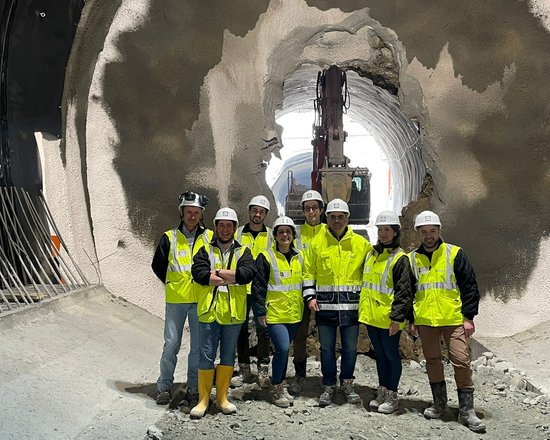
[
  {"x": 281, "y": 336},
  {"x": 212, "y": 335},
  {"x": 388, "y": 359},
  {"x": 327, "y": 339},
  {"x": 174, "y": 320}
]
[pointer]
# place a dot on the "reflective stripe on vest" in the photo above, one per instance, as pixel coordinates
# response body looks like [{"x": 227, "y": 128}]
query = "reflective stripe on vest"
[
  {"x": 175, "y": 266},
  {"x": 284, "y": 302},
  {"x": 350, "y": 306},
  {"x": 339, "y": 288},
  {"x": 377, "y": 295},
  {"x": 449, "y": 270},
  {"x": 298, "y": 239},
  {"x": 437, "y": 301},
  {"x": 382, "y": 288},
  {"x": 223, "y": 304}
]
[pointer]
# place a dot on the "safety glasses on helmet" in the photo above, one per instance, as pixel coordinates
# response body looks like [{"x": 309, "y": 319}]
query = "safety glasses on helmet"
[{"x": 191, "y": 196}]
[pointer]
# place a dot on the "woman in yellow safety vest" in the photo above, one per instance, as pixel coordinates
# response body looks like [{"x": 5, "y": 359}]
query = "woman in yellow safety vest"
[
  {"x": 386, "y": 297},
  {"x": 278, "y": 303}
]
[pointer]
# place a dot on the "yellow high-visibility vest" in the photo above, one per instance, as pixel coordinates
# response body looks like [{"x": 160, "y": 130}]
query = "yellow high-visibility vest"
[
  {"x": 179, "y": 286},
  {"x": 377, "y": 294},
  {"x": 223, "y": 304},
  {"x": 437, "y": 302},
  {"x": 284, "y": 301}
]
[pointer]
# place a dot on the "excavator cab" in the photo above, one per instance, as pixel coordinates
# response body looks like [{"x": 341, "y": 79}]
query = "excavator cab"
[{"x": 359, "y": 201}]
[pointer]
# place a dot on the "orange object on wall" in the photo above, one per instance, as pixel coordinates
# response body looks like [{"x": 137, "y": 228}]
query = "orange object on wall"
[{"x": 56, "y": 245}]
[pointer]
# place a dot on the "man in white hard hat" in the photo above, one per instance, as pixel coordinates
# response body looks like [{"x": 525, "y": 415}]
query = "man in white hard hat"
[
  {"x": 445, "y": 304},
  {"x": 257, "y": 237},
  {"x": 172, "y": 265},
  {"x": 333, "y": 272},
  {"x": 222, "y": 268},
  {"x": 312, "y": 207}
]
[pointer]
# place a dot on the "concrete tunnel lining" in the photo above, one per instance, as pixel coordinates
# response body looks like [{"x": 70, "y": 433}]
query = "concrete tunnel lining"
[
  {"x": 378, "y": 111},
  {"x": 147, "y": 116}
]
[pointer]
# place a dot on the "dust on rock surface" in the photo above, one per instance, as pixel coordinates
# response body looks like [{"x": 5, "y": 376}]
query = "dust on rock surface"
[{"x": 501, "y": 400}]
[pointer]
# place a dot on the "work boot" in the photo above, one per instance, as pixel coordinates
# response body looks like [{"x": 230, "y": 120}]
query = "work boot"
[
  {"x": 245, "y": 376},
  {"x": 295, "y": 386},
  {"x": 327, "y": 395},
  {"x": 346, "y": 385},
  {"x": 379, "y": 399},
  {"x": 223, "y": 379},
  {"x": 390, "y": 404},
  {"x": 164, "y": 397},
  {"x": 287, "y": 394},
  {"x": 439, "y": 393},
  {"x": 192, "y": 396},
  {"x": 206, "y": 378},
  {"x": 466, "y": 413},
  {"x": 263, "y": 376},
  {"x": 278, "y": 396}
]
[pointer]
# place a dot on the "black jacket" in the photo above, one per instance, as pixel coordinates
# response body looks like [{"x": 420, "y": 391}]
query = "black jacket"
[
  {"x": 402, "y": 290},
  {"x": 244, "y": 271}
]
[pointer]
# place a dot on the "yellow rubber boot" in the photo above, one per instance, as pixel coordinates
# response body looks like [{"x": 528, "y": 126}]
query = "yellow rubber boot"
[
  {"x": 223, "y": 379},
  {"x": 206, "y": 379}
]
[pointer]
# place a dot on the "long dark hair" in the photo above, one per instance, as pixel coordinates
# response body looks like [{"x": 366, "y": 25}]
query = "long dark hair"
[{"x": 394, "y": 245}]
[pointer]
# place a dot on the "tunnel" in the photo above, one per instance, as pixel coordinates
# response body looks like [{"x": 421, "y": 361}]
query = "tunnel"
[
  {"x": 163, "y": 97},
  {"x": 375, "y": 110}
]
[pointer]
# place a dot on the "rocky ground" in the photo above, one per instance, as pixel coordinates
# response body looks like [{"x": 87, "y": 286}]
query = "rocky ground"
[{"x": 503, "y": 401}]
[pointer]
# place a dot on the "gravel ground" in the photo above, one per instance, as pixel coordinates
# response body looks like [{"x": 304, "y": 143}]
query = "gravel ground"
[{"x": 501, "y": 400}]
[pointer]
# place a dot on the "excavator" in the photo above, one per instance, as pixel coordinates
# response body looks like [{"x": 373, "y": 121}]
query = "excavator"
[{"x": 331, "y": 174}]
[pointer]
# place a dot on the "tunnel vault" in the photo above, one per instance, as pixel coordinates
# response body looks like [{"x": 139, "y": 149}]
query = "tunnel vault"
[{"x": 185, "y": 96}]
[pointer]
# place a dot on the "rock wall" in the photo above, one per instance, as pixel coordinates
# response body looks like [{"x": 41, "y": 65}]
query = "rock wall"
[{"x": 166, "y": 96}]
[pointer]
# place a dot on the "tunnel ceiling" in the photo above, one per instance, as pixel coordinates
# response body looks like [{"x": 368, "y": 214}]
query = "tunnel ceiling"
[{"x": 378, "y": 111}]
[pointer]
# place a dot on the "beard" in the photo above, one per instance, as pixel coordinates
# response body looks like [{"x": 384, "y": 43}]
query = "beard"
[{"x": 226, "y": 241}]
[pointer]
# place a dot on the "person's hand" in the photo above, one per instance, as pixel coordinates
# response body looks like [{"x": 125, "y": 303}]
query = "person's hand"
[
  {"x": 313, "y": 306},
  {"x": 262, "y": 320},
  {"x": 469, "y": 327},
  {"x": 414, "y": 331},
  {"x": 215, "y": 280},
  {"x": 394, "y": 328}
]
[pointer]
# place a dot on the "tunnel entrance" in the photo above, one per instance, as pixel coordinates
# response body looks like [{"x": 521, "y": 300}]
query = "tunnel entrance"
[{"x": 379, "y": 136}]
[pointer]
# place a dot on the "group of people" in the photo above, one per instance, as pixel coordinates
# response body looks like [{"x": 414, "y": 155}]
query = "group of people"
[{"x": 283, "y": 274}]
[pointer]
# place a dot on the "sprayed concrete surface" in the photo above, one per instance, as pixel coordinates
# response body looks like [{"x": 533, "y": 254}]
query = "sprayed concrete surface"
[
  {"x": 161, "y": 97},
  {"x": 79, "y": 367}
]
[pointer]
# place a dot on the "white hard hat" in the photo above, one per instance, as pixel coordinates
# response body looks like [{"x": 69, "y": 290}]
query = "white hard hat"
[
  {"x": 259, "y": 201},
  {"x": 284, "y": 221},
  {"x": 337, "y": 205},
  {"x": 427, "y": 218},
  {"x": 387, "y": 218},
  {"x": 312, "y": 195},
  {"x": 226, "y": 214},
  {"x": 189, "y": 198}
]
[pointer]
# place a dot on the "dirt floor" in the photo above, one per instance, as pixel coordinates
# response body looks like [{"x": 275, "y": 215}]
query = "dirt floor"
[{"x": 502, "y": 400}]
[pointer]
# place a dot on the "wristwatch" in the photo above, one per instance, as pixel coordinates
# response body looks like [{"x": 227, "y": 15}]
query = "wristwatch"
[{"x": 217, "y": 272}]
